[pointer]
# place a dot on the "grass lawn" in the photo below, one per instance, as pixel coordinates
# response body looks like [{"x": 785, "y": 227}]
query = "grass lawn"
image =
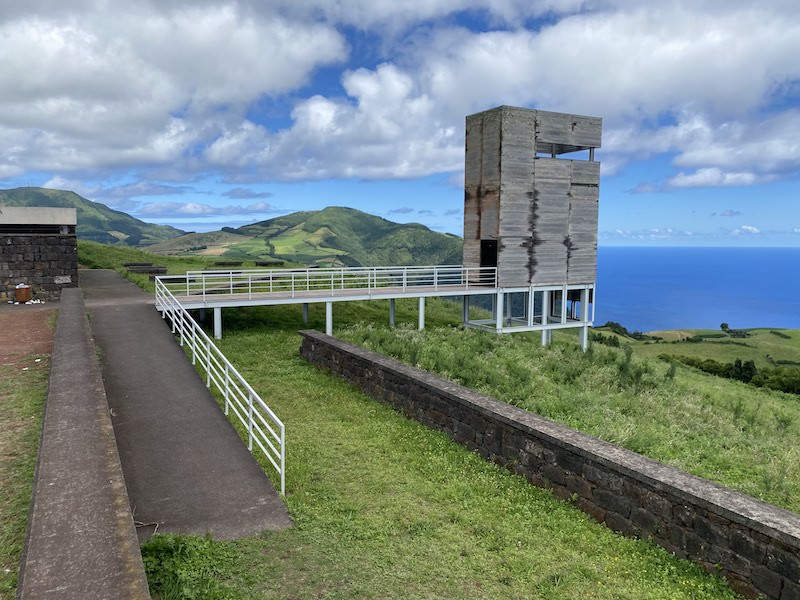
[
  {"x": 738, "y": 435},
  {"x": 386, "y": 508},
  {"x": 763, "y": 347},
  {"x": 23, "y": 388}
]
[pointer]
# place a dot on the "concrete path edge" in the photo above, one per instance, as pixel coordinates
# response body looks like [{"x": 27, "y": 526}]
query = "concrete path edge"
[{"x": 81, "y": 541}]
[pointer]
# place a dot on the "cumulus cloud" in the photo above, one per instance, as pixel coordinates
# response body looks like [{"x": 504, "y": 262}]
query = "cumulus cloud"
[
  {"x": 712, "y": 176},
  {"x": 244, "y": 193},
  {"x": 746, "y": 230},
  {"x": 182, "y": 88},
  {"x": 195, "y": 209}
]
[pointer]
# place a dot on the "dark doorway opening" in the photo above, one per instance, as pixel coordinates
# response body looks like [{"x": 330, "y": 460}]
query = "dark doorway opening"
[{"x": 488, "y": 261}]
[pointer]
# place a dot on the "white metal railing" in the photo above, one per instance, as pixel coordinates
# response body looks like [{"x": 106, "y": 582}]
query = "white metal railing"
[
  {"x": 262, "y": 424},
  {"x": 327, "y": 282}
]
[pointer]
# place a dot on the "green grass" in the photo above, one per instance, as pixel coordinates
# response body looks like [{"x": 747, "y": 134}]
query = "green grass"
[
  {"x": 763, "y": 347},
  {"x": 22, "y": 397},
  {"x": 387, "y": 508},
  {"x": 726, "y": 431}
]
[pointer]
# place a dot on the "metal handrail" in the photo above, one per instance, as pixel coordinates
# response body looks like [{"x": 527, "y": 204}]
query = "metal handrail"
[
  {"x": 264, "y": 428},
  {"x": 327, "y": 282}
]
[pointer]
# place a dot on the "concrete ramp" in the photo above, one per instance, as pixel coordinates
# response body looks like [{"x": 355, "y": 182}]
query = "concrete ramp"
[{"x": 185, "y": 468}]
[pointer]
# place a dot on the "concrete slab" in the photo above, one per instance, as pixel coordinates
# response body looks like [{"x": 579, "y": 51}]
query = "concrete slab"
[{"x": 185, "y": 467}]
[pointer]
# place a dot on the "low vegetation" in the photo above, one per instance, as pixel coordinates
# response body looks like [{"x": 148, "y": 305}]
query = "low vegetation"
[
  {"x": 23, "y": 387},
  {"x": 722, "y": 430},
  {"x": 387, "y": 508}
]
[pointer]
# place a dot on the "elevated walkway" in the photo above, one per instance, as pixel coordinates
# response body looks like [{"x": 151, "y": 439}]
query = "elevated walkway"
[
  {"x": 185, "y": 468},
  {"x": 541, "y": 307}
]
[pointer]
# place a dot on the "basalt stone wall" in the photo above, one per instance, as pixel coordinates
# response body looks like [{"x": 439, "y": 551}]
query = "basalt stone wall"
[
  {"x": 755, "y": 545},
  {"x": 46, "y": 262}
]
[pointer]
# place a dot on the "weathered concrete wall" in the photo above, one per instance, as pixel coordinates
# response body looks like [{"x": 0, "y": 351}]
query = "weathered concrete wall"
[
  {"x": 47, "y": 262},
  {"x": 755, "y": 545}
]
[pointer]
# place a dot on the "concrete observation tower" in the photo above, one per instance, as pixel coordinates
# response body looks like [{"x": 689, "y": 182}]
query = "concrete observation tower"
[{"x": 531, "y": 193}]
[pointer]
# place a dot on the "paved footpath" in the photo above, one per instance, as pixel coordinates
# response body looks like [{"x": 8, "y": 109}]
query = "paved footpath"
[{"x": 184, "y": 465}]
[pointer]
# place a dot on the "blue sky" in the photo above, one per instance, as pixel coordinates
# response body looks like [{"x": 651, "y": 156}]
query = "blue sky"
[{"x": 204, "y": 113}]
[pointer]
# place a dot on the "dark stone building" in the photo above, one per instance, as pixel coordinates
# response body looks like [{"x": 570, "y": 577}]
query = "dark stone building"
[{"x": 39, "y": 249}]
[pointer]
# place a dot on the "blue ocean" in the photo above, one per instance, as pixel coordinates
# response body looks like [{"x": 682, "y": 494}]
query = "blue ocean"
[{"x": 647, "y": 289}]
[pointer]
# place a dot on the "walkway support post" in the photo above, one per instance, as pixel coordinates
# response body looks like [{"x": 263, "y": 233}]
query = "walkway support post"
[
  {"x": 391, "y": 312},
  {"x": 499, "y": 311},
  {"x": 584, "y": 334},
  {"x": 305, "y": 313},
  {"x": 329, "y": 318},
  {"x": 217, "y": 322},
  {"x": 421, "y": 313},
  {"x": 545, "y": 313},
  {"x": 464, "y": 310}
]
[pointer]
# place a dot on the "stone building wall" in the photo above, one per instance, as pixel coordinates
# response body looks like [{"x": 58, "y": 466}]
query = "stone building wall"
[
  {"x": 46, "y": 262},
  {"x": 755, "y": 545}
]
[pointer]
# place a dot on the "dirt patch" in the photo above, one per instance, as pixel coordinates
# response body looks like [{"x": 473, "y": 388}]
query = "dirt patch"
[{"x": 25, "y": 331}]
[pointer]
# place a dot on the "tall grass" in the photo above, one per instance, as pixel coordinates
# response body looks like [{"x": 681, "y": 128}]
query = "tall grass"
[{"x": 722, "y": 430}]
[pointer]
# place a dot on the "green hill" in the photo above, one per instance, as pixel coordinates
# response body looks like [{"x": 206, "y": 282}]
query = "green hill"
[
  {"x": 332, "y": 236},
  {"x": 96, "y": 222}
]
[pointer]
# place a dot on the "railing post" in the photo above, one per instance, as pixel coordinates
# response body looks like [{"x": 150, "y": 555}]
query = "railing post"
[
  {"x": 227, "y": 386},
  {"x": 283, "y": 460},
  {"x": 250, "y": 422},
  {"x": 208, "y": 363},
  {"x": 193, "y": 342},
  {"x": 435, "y": 278}
]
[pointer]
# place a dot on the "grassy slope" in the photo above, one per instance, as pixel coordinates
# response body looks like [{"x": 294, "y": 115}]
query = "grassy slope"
[
  {"x": 96, "y": 221},
  {"x": 727, "y": 431},
  {"x": 344, "y": 234},
  {"x": 762, "y": 347},
  {"x": 22, "y": 398},
  {"x": 386, "y": 508}
]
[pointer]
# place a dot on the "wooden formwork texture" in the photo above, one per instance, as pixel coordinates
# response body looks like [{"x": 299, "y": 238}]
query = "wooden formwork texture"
[{"x": 540, "y": 208}]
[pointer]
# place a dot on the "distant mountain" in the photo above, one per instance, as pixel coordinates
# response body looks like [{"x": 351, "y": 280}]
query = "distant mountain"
[
  {"x": 332, "y": 236},
  {"x": 96, "y": 222}
]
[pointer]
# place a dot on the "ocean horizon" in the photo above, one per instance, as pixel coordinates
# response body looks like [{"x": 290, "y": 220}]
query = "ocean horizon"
[{"x": 654, "y": 288}]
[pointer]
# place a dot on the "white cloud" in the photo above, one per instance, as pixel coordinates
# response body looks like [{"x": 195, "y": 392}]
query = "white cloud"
[
  {"x": 177, "y": 88},
  {"x": 746, "y": 230},
  {"x": 712, "y": 177},
  {"x": 195, "y": 209},
  {"x": 132, "y": 84}
]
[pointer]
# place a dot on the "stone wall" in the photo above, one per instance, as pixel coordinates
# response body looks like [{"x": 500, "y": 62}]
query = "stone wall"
[
  {"x": 755, "y": 545},
  {"x": 46, "y": 262}
]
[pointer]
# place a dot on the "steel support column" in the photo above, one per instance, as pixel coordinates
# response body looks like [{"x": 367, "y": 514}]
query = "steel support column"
[
  {"x": 392, "y": 312},
  {"x": 499, "y": 315},
  {"x": 329, "y": 318},
  {"x": 421, "y": 313},
  {"x": 545, "y": 315},
  {"x": 584, "y": 333},
  {"x": 305, "y": 313},
  {"x": 217, "y": 322}
]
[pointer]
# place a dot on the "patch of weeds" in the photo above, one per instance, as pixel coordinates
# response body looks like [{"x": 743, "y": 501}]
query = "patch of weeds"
[{"x": 187, "y": 567}]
